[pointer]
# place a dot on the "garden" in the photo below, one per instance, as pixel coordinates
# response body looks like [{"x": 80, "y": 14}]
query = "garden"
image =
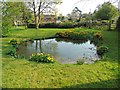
[
  {"x": 69, "y": 54},
  {"x": 21, "y": 72}
]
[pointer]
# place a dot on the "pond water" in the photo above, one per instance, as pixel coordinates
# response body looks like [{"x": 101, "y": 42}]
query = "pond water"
[{"x": 63, "y": 50}]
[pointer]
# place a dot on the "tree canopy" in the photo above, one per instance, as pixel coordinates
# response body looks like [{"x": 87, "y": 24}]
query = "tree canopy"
[
  {"x": 12, "y": 12},
  {"x": 106, "y": 11}
]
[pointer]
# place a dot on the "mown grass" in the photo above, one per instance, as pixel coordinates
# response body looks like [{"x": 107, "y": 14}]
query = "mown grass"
[
  {"x": 21, "y": 73},
  {"x": 33, "y": 33},
  {"x": 111, "y": 41}
]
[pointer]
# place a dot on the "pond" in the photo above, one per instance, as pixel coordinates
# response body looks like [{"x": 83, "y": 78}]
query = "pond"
[{"x": 63, "y": 50}]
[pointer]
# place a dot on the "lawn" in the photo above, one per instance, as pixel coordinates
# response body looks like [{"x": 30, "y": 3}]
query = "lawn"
[{"x": 21, "y": 73}]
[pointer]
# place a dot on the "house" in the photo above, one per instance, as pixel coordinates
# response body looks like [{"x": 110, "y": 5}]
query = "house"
[{"x": 48, "y": 19}]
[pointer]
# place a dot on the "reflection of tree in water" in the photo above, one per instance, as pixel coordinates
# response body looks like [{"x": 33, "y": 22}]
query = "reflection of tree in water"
[
  {"x": 38, "y": 45},
  {"x": 49, "y": 47},
  {"x": 72, "y": 41}
]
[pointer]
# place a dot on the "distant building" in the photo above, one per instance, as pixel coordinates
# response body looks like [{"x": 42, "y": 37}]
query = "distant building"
[{"x": 48, "y": 19}]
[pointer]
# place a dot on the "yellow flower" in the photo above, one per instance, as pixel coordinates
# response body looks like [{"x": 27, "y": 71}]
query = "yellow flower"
[
  {"x": 38, "y": 53},
  {"x": 33, "y": 55},
  {"x": 41, "y": 53},
  {"x": 48, "y": 58}
]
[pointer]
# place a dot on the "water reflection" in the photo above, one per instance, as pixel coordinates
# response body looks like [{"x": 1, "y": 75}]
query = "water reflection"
[
  {"x": 63, "y": 50},
  {"x": 72, "y": 41}
]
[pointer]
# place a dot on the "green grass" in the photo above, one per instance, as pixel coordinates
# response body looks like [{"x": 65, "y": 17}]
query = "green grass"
[
  {"x": 33, "y": 33},
  {"x": 111, "y": 41},
  {"x": 21, "y": 73}
]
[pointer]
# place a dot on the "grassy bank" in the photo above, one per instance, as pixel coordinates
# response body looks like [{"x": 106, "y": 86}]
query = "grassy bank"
[{"x": 20, "y": 73}]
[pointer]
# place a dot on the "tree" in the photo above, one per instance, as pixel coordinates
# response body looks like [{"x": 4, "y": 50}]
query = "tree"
[
  {"x": 88, "y": 18},
  {"x": 106, "y": 11},
  {"x": 40, "y": 7},
  {"x": 13, "y": 12},
  {"x": 9, "y": 11},
  {"x": 26, "y": 14}
]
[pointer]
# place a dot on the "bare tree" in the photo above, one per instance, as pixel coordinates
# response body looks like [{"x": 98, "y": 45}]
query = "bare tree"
[{"x": 40, "y": 7}]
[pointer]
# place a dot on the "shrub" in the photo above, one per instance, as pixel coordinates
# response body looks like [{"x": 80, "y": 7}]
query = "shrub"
[
  {"x": 53, "y": 25},
  {"x": 13, "y": 42},
  {"x": 77, "y": 35},
  {"x": 101, "y": 50},
  {"x": 42, "y": 57},
  {"x": 12, "y": 53},
  {"x": 83, "y": 24},
  {"x": 118, "y": 24},
  {"x": 49, "y": 25},
  {"x": 66, "y": 25},
  {"x": 80, "y": 62},
  {"x": 97, "y": 35},
  {"x": 64, "y": 34},
  {"x": 30, "y": 25}
]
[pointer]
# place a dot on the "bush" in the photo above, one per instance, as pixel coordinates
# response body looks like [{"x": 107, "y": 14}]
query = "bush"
[
  {"x": 80, "y": 62},
  {"x": 118, "y": 24},
  {"x": 101, "y": 50},
  {"x": 83, "y": 24},
  {"x": 14, "y": 42},
  {"x": 12, "y": 53},
  {"x": 79, "y": 35},
  {"x": 64, "y": 34},
  {"x": 42, "y": 57},
  {"x": 49, "y": 25},
  {"x": 97, "y": 35},
  {"x": 53, "y": 25},
  {"x": 66, "y": 25}
]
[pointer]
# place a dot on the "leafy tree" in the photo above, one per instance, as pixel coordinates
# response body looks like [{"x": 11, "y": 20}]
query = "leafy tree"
[
  {"x": 87, "y": 18},
  {"x": 9, "y": 12},
  {"x": 26, "y": 14},
  {"x": 106, "y": 11},
  {"x": 12, "y": 12}
]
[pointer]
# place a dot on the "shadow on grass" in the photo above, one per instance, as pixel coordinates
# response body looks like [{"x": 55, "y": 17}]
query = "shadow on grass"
[{"x": 113, "y": 83}]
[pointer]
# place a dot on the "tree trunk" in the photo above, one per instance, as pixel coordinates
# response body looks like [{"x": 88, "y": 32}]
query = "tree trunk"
[
  {"x": 37, "y": 25},
  {"x": 37, "y": 22},
  {"x": 26, "y": 25}
]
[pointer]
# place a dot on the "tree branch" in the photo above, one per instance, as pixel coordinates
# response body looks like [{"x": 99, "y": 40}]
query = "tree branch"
[{"x": 44, "y": 8}]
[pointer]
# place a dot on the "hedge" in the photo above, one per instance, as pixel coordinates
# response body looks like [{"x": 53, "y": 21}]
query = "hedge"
[
  {"x": 63, "y": 25},
  {"x": 53, "y": 25}
]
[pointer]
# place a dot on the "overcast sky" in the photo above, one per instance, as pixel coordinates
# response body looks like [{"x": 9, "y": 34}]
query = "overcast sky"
[{"x": 85, "y": 6}]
